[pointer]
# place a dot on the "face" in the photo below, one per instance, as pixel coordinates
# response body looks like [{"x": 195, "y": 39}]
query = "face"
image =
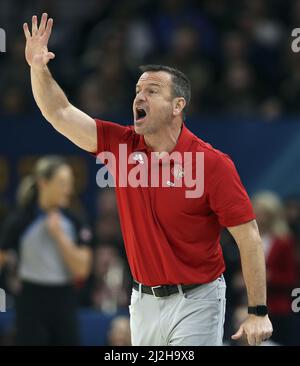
[
  {"x": 153, "y": 106},
  {"x": 263, "y": 217},
  {"x": 59, "y": 188},
  {"x": 120, "y": 332},
  {"x": 104, "y": 258}
]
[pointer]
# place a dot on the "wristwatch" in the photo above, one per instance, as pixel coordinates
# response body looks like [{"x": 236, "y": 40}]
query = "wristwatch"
[{"x": 259, "y": 310}]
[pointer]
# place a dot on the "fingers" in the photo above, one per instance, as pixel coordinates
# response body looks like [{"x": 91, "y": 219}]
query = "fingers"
[
  {"x": 34, "y": 25},
  {"x": 256, "y": 329},
  {"x": 48, "y": 29},
  {"x": 50, "y": 55},
  {"x": 44, "y": 28},
  {"x": 266, "y": 335},
  {"x": 256, "y": 338},
  {"x": 238, "y": 334},
  {"x": 40, "y": 60},
  {"x": 43, "y": 24},
  {"x": 26, "y": 31},
  {"x": 252, "y": 340}
]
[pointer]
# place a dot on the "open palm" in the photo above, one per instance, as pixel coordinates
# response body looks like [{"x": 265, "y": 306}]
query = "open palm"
[{"x": 36, "y": 50}]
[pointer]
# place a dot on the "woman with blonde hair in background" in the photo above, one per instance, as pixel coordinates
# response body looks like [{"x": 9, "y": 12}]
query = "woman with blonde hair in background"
[
  {"x": 281, "y": 264},
  {"x": 53, "y": 252}
]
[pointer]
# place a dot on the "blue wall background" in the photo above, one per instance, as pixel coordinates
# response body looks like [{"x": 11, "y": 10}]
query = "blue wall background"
[
  {"x": 93, "y": 325},
  {"x": 267, "y": 155}
]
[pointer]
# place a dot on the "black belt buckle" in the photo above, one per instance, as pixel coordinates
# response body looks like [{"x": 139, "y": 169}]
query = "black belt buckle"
[
  {"x": 153, "y": 291},
  {"x": 164, "y": 290}
]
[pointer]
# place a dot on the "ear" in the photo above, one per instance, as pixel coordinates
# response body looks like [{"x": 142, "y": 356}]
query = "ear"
[{"x": 178, "y": 105}]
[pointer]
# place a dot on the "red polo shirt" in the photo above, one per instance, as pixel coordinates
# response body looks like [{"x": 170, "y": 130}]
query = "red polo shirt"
[{"x": 169, "y": 238}]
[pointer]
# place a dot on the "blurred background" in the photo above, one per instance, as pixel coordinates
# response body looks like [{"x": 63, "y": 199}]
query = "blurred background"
[{"x": 245, "y": 102}]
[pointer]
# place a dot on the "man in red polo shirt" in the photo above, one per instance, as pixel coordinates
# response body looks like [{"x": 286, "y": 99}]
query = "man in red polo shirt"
[{"x": 171, "y": 228}]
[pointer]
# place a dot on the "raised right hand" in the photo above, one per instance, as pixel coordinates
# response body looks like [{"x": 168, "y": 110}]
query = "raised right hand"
[{"x": 36, "y": 50}]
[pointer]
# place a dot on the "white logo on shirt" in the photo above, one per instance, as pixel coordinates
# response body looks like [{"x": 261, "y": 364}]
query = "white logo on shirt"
[
  {"x": 177, "y": 171},
  {"x": 170, "y": 184},
  {"x": 139, "y": 158}
]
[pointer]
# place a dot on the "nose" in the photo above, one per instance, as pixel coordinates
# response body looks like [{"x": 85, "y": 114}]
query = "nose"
[{"x": 140, "y": 96}]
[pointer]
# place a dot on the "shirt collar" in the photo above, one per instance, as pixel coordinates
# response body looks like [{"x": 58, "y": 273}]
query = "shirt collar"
[{"x": 183, "y": 144}]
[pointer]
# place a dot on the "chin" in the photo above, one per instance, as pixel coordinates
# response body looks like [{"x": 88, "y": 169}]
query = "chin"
[
  {"x": 64, "y": 204},
  {"x": 138, "y": 129}
]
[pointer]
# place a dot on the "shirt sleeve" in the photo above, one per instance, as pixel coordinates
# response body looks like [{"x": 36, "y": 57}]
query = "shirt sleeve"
[
  {"x": 227, "y": 195},
  {"x": 110, "y": 135}
]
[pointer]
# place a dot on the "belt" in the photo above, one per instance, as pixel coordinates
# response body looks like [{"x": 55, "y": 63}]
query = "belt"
[{"x": 163, "y": 290}]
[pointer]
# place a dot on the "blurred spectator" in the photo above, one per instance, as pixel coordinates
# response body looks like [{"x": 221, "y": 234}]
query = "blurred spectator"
[
  {"x": 108, "y": 287},
  {"x": 220, "y": 44},
  {"x": 5, "y": 170},
  {"x": 53, "y": 252},
  {"x": 271, "y": 109},
  {"x": 119, "y": 332},
  {"x": 235, "y": 47},
  {"x": 107, "y": 225},
  {"x": 89, "y": 98},
  {"x": 292, "y": 212},
  {"x": 185, "y": 54},
  {"x": 13, "y": 101},
  {"x": 289, "y": 87},
  {"x": 236, "y": 92},
  {"x": 282, "y": 271}
]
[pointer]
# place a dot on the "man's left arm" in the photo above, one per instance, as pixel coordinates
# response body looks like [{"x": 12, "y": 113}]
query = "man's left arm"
[{"x": 256, "y": 328}]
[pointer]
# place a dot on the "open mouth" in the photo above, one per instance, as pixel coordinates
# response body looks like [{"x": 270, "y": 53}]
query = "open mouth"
[{"x": 140, "y": 114}]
